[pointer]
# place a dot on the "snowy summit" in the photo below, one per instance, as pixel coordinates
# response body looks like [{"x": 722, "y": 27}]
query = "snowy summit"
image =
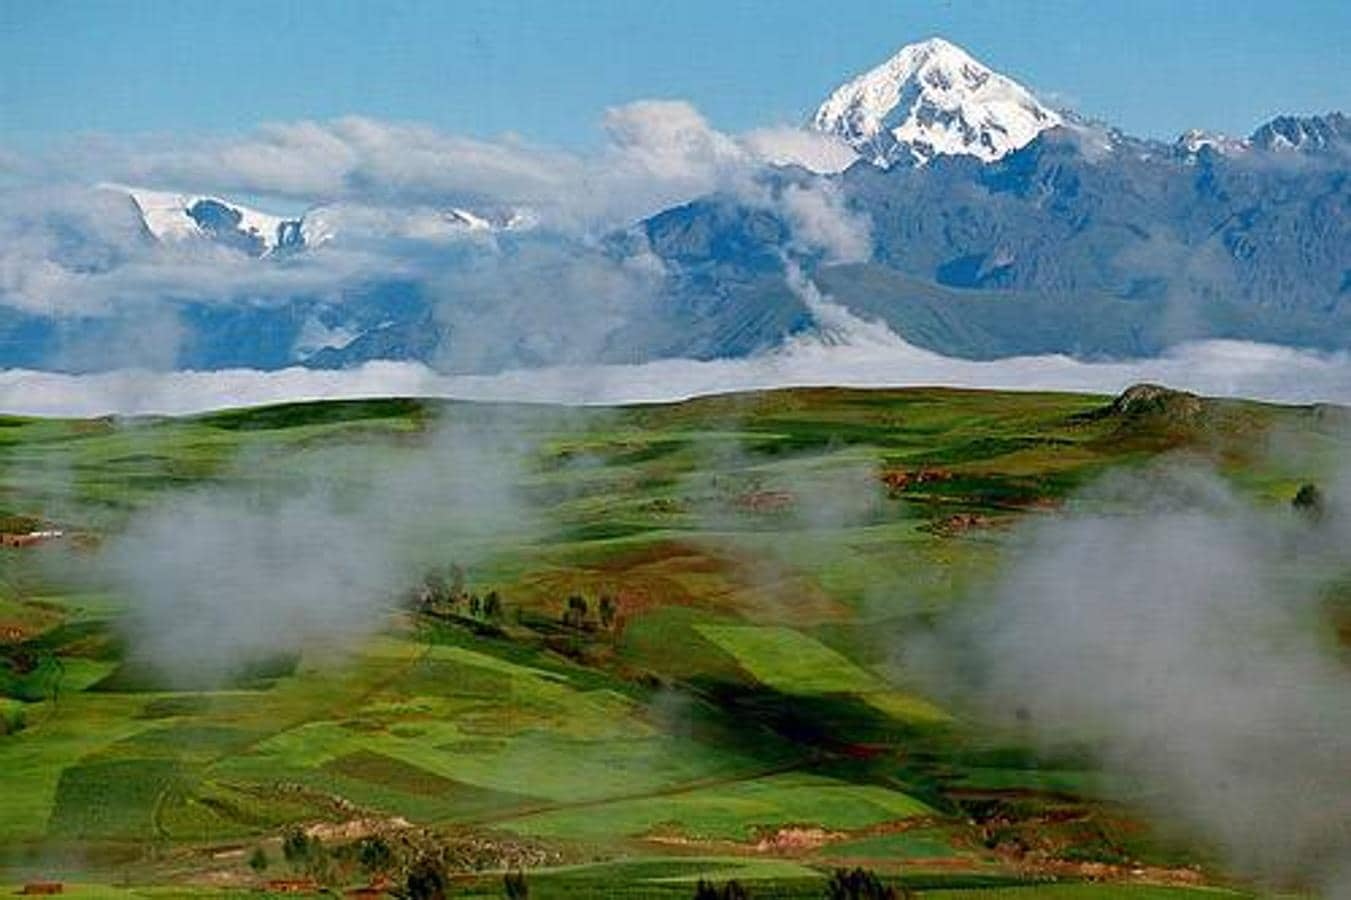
[
  {"x": 932, "y": 99},
  {"x": 173, "y": 217}
]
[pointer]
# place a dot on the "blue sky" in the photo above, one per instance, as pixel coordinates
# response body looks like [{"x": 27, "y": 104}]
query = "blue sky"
[{"x": 547, "y": 70}]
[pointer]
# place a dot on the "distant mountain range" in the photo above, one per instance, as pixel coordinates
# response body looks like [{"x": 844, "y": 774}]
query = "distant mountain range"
[
  {"x": 998, "y": 226},
  {"x": 1001, "y": 227},
  {"x": 171, "y": 217}
]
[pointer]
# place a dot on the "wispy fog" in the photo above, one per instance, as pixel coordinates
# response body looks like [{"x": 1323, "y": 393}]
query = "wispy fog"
[
  {"x": 312, "y": 552},
  {"x": 1174, "y": 628}
]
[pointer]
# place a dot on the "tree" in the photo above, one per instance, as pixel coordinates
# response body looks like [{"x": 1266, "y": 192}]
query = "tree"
[
  {"x": 426, "y": 880},
  {"x": 296, "y": 846},
  {"x": 575, "y": 613},
  {"x": 1310, "y": 501},
  {"x": 858, "y": 884},
  {"x": 258, "y": 860},
  {"x": 492, "y": 607},
  {"x": 514, "y": 886},
  {"x": 374, "y": 854},
  {"x": 608, "y": 609}
]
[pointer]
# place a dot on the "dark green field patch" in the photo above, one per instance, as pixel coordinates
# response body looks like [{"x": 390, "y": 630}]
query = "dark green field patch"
[
  {"x": 111, "y": 800},
  {"x": 185, "y": 740},
  {"x": 139, "y": 677},
  {"x": 170, "y": 707}
]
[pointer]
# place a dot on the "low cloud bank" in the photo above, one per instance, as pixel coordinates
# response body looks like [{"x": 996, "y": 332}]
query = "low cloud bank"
[
  {"x": 1173, "y": 627},
  {"x": 872, "y": 359}
]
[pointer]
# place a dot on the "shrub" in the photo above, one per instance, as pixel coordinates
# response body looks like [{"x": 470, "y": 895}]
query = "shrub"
[
  {"x": 296, "y": 847},
  {"x": 731, "y": 890},
  {"x": 426, "y": 881},
  {"x": 858, "y": 884},
  {"x": 374, "y": 854}
]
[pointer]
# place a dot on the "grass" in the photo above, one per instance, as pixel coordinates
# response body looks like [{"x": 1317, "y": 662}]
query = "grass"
[
  {"x": 794, "y": 663},
  {"x": 114, "y": 799},
  {"x": 734, "y": 811},
  {"x": 748, "y": 686}
]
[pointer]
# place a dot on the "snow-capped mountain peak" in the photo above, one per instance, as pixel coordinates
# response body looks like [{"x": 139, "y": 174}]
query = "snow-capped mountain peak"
[
  {"x": 929, "y": 99},
  {"x": 171, "y": 217},
  {"x": 1195, "y": 141}
]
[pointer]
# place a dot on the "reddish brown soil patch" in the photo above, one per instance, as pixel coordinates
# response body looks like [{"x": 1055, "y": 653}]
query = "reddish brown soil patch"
[
  {"x": 797, "y": 840},
  {"x": 764, "y": 501},
  {"x": 900, "y": 480}
]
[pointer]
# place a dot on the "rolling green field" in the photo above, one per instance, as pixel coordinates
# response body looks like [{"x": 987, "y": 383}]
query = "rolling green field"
[{"x": 728, "y": 704}]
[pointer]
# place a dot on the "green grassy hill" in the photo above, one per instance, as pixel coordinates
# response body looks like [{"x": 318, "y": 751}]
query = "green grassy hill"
[{"x": 737, "y": 711}]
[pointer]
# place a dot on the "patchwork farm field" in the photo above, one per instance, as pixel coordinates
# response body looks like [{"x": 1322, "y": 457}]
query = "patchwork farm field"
[{"x": 618, "y": 651}]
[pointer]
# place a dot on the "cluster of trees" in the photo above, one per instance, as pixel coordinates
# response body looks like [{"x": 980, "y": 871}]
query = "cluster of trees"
[
  {"x": 307, "y": 855},
  {"x": 577, "y": 612},
  {"x": 443, "y": 590}
]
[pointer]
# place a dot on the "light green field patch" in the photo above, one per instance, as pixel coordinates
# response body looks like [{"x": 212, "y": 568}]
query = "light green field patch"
[
  {"x": 312, "y": 744},
  {"x": 80, "y": 674},
  {"x": 790, "y": 661},
  {"x": 601, "y": 879},
  {"x": 733, "y": 812},
  {"x": 559, "y": 768},
  {"x": 907, "y": 707},
  {"x": 918, "y": 844},
  {"x": 492, "y": 663}
]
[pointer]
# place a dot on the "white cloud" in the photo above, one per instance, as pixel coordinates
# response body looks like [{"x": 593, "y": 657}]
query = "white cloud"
[
  {"x": 657, "y": 152},
  {"x": 788, "y": 146},
  {"x": 1221, "y": 368},
  {"x": 820, "y": 219}
]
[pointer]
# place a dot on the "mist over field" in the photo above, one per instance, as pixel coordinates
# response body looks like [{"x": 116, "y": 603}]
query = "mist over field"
[
  {"x": 1178, "y": 631},
  {"x": 313, "y": 554}
]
